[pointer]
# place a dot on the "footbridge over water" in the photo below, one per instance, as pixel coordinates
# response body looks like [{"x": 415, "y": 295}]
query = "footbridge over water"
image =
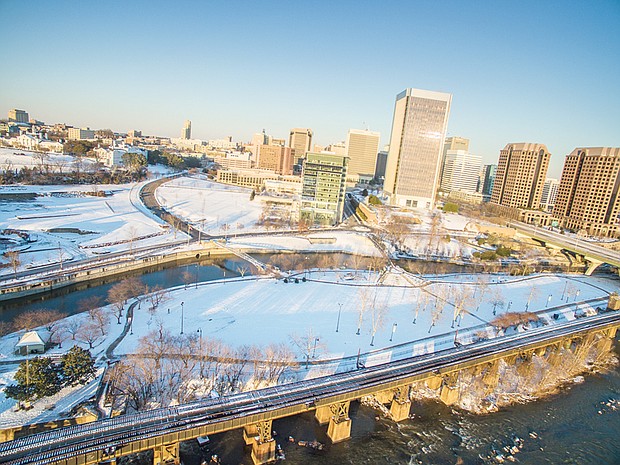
[
  {"x": 328, "y": 397},
  {"x": 593, "y": 254}
]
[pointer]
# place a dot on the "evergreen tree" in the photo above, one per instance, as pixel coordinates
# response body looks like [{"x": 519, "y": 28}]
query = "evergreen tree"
[
  {"x": 19, "y": 393},
  {"x": 78, "y": 365},
  {"x": 36, "y": 378}
]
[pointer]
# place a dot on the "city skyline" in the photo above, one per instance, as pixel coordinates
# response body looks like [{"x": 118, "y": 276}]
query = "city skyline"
[{"x": 99, "y": 68}]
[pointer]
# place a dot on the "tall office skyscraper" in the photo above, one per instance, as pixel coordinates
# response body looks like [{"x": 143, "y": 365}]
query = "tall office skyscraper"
[
  {"x": 451, "y": 143},
  {"x": 416, "y": 147},
  {"x": 300, "y": 142},
  {"x": 362, "y": 148},
  {"x": 549, "y": 193},
  {"x": 488, "y": 179},
  {"x": 589, "y": 192},
  {"x": 186, "y": 132},
  {"x": 520, "y": 176},
  {"x": 322, "y": 198},
  {"x": 460, "y": 171}
]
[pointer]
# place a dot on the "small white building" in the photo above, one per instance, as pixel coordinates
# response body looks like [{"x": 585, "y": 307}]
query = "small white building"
[{"x": 30, "y": 343}]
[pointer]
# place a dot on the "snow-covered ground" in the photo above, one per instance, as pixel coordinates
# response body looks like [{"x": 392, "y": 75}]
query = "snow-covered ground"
[
  {"x": 16, "y": 159},
  {"x": 341, "y": 241},
  {"x": 264, "y": 310},
  {"x": 64, "y": 223},
  {"x": 217, "y": 209}
]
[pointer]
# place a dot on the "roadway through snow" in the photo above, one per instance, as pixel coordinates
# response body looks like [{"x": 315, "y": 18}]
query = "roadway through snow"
[{"x": 71, "y": 441}]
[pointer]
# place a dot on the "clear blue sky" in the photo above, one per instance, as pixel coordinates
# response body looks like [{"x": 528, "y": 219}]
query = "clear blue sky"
[{"x": 536, "y": 71}]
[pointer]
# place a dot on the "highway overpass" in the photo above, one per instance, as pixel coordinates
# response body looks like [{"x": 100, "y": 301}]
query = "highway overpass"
[{"x": 594, "y": 254}]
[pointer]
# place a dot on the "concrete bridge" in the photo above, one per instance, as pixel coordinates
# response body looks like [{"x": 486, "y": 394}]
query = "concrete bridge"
[
  {"x": 329, "y": 397},
  {"x": 593, "y": 254}
]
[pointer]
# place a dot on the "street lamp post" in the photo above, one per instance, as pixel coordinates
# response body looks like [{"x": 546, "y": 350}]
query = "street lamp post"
[
  {"x": 577, "y": 294},
  {"x": 393, "y": 331},
  {"x": 316, "y": 339},
  {"x": 338, "y": 322},
  {"x": 509, "y": 304},
  {"x": 199, "y": 331},
  {"x": 549, "y": 299},
  {"x": 564, "y": 291},
  {"x": 182, "y": 315}
]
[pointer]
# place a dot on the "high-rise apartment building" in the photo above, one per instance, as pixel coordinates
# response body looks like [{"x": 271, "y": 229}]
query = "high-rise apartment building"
[
  {"x": 186, "y": 132},
  {"x": 589, "y": 192},
  {"x": 81, "y": 134},
  {"x": 324, "y": 176},
  {"x": 362, "y": 148},
  {"x": 549, "y": 194},
  {"x": 381, "y": 163},
  {"x": 300, "y": 142},
  {"x": 18, "y": 116},
  {"x": 416, "y": 147},
  {"x": 521, "y": 173},
  {"x": 487, "y": 181},
  {"x": 275, "y": 158},
  {"x": 461, "y": 170}
]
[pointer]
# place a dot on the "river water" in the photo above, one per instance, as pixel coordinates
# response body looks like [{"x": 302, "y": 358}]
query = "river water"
[
  {"x": 575, "y": 426},
  {"x": 579, "y": 426}
]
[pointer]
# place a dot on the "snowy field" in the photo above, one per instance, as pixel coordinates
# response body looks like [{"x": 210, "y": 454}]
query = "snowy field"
[
  {"x": 15, "y": 158},
  {"x": 261, "y": 311},
  {"x": 66, "y": 224},
  {"x": 215, "y": 208},
  {"x": 341, "y": 241}
]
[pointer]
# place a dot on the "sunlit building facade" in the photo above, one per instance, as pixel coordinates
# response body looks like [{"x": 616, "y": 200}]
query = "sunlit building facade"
[
  {"x": 520, "y": 176},
  {"x": 416, "y": 147},
  {"x": 589, "y": 192}
]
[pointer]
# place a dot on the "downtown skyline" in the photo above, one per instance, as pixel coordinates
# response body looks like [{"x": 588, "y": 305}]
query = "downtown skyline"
[{"x": 517, "y": 73}]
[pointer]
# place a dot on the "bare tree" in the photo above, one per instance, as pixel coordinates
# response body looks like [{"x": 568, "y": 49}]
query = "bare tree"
[
  {"x": 309, "y": 344},
  {"x": 187, "y": 278},
  {"x": 242, "y": 270},
  {"x": 89, "y": 333},
  {"x": 6, "y": 327},
  {"x": 463, "y": 298},
  {"x": 421, "y": 303},
  {"x": 100, "y": 319},
  {"x": 377, "y": 317},
  {"x": 89, "y": 303},
  {"x": 533, "y": 294},
  {"x": 14, "y": 259},
  {"x": 155, "y": 297},
  {"x": 71, "y": 327},
  {"x": 482, "y": 287},
  {"x": 496, "y": 299},
  {"x": 364, "y": 298}
]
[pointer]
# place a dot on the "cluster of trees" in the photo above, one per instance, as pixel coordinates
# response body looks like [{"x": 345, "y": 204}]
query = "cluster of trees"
[
  {"x": 42, "y": 377},
  {"x": 302, "y": 262},
  {"x": 157, "y": 157},
  {"x": 500, "y": 251},
  {"x": 48, "y": 171},
  {"x": 79, "y": 148},
  {"x": 169, "y": 368}
]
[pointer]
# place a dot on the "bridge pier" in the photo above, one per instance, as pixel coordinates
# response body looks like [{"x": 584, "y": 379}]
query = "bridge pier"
[
  {"x": 592, "y": 265},
  {"x": 339, "y": 428},
  {"x": 167, "y": 454},
  {"x": 258, "y": 435}
]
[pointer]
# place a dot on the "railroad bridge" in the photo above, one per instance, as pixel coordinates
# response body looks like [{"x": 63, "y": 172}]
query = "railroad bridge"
[{"x": 328, "y": 397}]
